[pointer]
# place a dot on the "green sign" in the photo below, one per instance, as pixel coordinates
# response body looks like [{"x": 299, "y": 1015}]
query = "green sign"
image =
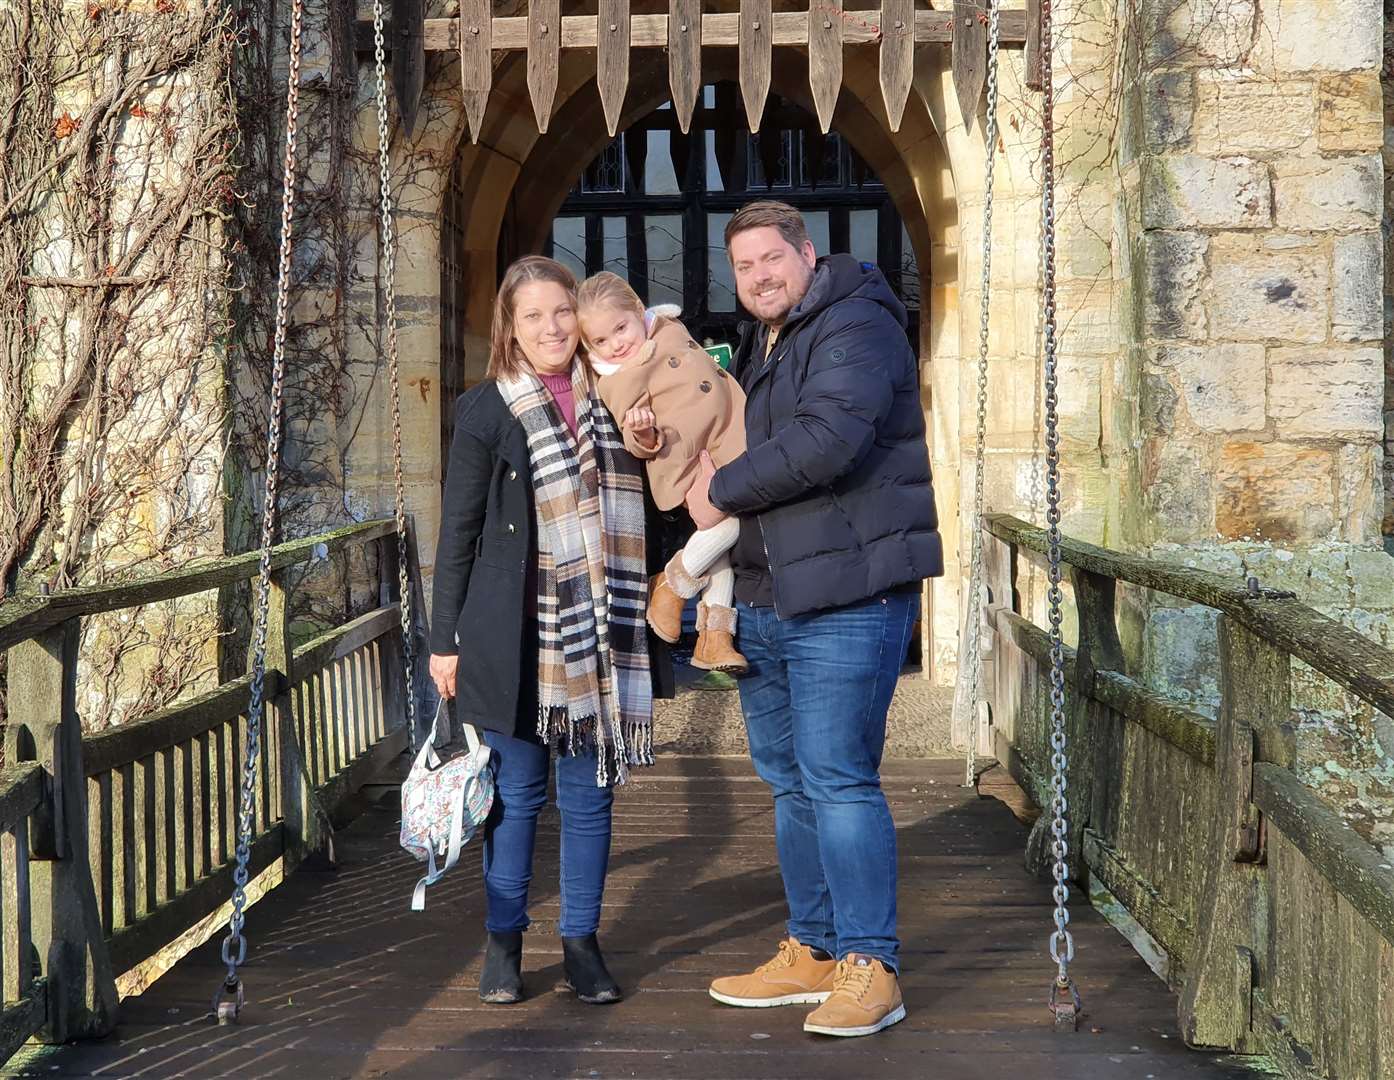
[{"x": 721, "y": 354}]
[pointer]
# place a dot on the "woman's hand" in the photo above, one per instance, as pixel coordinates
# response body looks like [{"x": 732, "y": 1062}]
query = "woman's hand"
[
  {"x": 641, "y": 421},
  {"x": 443, "y": 670}
]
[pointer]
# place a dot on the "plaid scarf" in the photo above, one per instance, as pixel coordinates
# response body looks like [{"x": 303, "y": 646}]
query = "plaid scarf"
[{"x": 594, "y": 691}]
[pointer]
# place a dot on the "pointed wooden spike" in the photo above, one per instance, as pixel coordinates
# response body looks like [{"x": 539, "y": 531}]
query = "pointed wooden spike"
[
  {"x": 1033, "y": 45},
  {"x": 612, "y": 58},
  {"x": 684, "y": 57},
  {"x": 897, "y": 56},
  {"x": 969, "y": 56},
  {"x": 408, "y": 45},
  {"x": 825, "y": 57},
  {"x": 476, "y": 60},
  {"x": 756, "y": 35},
  {"x": 544, "y": 46}
]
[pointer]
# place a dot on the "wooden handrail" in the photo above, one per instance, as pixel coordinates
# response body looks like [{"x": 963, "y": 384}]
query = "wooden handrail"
[
  {"x": 26, "y": 617},
  {"x": 1343, "y": 655},
  {"x": 21, "y": 791}
]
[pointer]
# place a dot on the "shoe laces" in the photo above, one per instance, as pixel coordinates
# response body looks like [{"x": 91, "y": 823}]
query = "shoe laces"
[
  {"x": 787, "y": 956},
  {"x": 852, "y": 979}
]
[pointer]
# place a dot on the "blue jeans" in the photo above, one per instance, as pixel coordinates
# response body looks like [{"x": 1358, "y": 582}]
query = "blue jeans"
[
  {"x": 520, "y": 767},
  {"x": 815, "y": 705}
]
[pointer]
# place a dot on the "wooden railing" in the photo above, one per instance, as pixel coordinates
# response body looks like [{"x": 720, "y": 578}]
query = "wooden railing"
[
  {"x": 117, "y": 845},
  {"x": 1275, "y": 916}
]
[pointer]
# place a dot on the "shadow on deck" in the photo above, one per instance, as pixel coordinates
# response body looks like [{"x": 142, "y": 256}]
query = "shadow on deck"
[{"x": 344, "y": 981}]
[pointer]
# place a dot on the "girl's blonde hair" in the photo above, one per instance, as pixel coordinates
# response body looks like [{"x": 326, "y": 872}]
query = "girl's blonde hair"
[
  {"x": 505, "y": 357},
  {"x": 608, "y": 290}
]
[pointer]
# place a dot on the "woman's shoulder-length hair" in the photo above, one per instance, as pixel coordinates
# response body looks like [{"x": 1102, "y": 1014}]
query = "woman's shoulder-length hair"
[{"x": 506, "y": 359}]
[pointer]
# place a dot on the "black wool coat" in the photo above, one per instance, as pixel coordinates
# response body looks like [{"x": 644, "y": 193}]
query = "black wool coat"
[{"x": 485, "y": 561}]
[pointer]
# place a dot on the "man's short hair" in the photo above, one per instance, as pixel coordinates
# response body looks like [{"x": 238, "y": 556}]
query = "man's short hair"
[{"x": 769, "y": 213}]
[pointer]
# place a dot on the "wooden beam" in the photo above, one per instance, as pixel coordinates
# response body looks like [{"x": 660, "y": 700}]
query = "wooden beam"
[
  {"x": 897, "y": 56},
  {"x": 476, "y": 60},
  {"x": 612, "y": 59},
  {"x": 408, "y": 58},
  {"x": 717, "y": 28},
  {"x": 969, "y": 57},
  {"x": 684, "y": 57},
  {"x": 542, "y": 40},
  {"x": 825, "y": 22},
  {"x": 755, "y": 37}
]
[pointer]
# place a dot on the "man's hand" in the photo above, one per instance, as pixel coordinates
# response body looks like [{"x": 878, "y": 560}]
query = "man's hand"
[
  {"x": 443, "y": 670},
  {"x": 704, "y": 514}
]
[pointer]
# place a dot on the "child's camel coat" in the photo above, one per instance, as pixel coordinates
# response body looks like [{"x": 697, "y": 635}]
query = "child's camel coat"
[{"x": 696, "y": 406}]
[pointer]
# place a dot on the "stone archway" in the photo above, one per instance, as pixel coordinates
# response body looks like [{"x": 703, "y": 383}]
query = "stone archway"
[{"x": 932, "y": 169}]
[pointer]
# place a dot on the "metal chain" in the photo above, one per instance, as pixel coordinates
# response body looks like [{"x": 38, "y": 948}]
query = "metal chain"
[
  {"x": 389, "y": 261},
  {"x": 972, "y": 661},
  {"x": 1064, "y": 997},
  {"x": 229, "y": 998}
]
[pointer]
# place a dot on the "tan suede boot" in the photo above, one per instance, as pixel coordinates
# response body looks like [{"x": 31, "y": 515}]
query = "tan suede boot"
[
  {"x": 716, "y": 650},
  {"x": 865, "y": 999},
  {"x": 793, "y": 977},
  {"x": 668, "y": 593}
]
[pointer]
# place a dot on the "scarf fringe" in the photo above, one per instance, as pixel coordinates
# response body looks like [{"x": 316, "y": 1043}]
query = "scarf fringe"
[{"x": 631, "y": 744}]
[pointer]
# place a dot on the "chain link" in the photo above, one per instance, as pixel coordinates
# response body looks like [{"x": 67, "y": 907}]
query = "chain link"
[
  {"x": 389, "y": 262},
  {"x": 972, "y": 658},
  {"x": 1062, "y": 946},
  {"x": 234, "y": 950}
]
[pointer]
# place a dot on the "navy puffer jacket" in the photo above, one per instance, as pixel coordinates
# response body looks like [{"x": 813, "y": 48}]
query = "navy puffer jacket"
[{"x": 836, "y": 478}]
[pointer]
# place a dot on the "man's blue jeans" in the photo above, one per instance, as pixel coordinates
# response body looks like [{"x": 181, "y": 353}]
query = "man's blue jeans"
[
  {"x": 520, "y": 767},
  {"x": 815, "y": 704}
]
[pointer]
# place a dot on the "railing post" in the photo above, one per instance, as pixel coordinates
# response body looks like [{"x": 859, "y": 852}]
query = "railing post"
[
  {"x": 44, "y": 726},
  {"x": 1091, "y": 732},
  {"x": 999, "y": 577},
  {"x": 300, "y": 828},
  {"x": 1215, "y": 1009}
]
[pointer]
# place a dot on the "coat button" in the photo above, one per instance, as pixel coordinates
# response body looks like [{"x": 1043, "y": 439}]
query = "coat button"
[
  {"x": 673, "y": 361},
  {"x": 512, "y": 528},
  {"x": 513, "y": 474},
  {"x": 721, "y": 372},
  {"x": 691, "y": 344},
  {"x": 704, "y": 386}
]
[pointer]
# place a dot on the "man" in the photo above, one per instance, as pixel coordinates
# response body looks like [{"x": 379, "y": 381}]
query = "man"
[{"x": 838, "y": 528}]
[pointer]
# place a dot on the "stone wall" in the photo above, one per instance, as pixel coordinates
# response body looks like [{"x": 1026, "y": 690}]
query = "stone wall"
[{"x": 1249, "y": 230}]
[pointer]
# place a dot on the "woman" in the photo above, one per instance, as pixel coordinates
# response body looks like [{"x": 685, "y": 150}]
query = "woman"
[{"x": 538, "y": 627}]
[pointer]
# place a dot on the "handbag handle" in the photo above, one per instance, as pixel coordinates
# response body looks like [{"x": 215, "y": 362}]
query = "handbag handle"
[{"x": 427, "y": 757}]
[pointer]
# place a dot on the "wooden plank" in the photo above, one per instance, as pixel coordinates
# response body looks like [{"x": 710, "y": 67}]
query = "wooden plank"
[
  {"x": 21, "y": 791},
  {"x": 1187, "y": 730},
  {"x": 685, "y": 57},
  {"x": 136, "y": 943},
  {"x": 543, "y": 45},
  {"x": 897, "y": 57},
  {"x": 21, "y": 1019},
  {"x": 825, "y": 58},
  {"x": 408, "y": 58},
  {"x": 99, "y": 844},
  {"x": 755, "y": 38},
  {"x": 123, "y": 852},
  {"x": 612, "y": 59},
  {"x": 1216, "y": 1001},
  {"x": 23, "y": 619},
  {"x": 969, "y": 57},
  {"x": 17, "y": 912},
  {"x": 344, "y": 640},
  {"x": 1344, "y": 655},
  {"x": 1353, "y": 866},
  {"x": 510, "y": 33},
  {"x": 1033, "y": 45},
  {"x": 476, "y": 61},
  {"x": 1142, "y": 899},
  {"x": 110, "y": 749}
]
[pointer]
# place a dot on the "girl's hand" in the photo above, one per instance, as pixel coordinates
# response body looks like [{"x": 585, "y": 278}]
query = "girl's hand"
[
  {"x": 443, "y": 670},
  {"x": 640, "y": 421}
]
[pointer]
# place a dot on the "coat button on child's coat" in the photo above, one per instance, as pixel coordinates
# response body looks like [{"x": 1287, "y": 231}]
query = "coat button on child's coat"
[
  {"x": 705, "y": 387},
  {"x": 673, "y": 361}
]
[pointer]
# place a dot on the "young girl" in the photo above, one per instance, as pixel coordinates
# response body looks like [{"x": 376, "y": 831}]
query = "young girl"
[{"x": 675, "y": 402}]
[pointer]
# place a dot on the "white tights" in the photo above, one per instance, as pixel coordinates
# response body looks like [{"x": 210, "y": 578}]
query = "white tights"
[{"x": 707, "y": 554}]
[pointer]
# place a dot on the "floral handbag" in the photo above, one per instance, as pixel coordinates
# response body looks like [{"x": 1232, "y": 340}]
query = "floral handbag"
[{"x": 443, "y": 804}]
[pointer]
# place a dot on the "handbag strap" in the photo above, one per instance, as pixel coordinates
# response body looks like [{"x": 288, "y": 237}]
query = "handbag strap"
[
  {"x": 452, "y": 853},
  {"x": 426, "y": 757}
]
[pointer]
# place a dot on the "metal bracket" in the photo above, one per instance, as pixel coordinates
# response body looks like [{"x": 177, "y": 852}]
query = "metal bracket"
[{"x": 1065, "y": 1005}]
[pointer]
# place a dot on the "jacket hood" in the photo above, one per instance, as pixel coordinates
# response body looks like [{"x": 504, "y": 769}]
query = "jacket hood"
[{"x": 841, "y": 277}]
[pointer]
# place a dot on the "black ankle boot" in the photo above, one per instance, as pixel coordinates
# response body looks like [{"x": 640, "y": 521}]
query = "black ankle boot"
[
  {"x": 586, "y": 973},
  {"x": 501, "y": 981}
]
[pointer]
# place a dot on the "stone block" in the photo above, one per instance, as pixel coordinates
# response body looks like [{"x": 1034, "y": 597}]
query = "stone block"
[
  {"x": 1370, "y": 571},
  {"x": 1351, "y": 113},
  {"x": 1357, "y": 287},
  {"x": 1174, "y": 267},
  {"x": 1222, "y": 385},
  {"x": 1168, "y": 100},
  {"x": 1176, "y": 478},
  {"x": 1246, "y": 115},
  {"x": 1359, "y": 491},
  {"x": 1157, "y": 405},
  {"x": 1181, "y": 191},
  {"x": 1274, "y": 492},
  {"x": 1318, "y": 35},
  {"x": 1180, "y": 651},
  {"x": 1326, "y": 392},
  {"x": 1204, "y": 32},
  {"x": 1319, "y": 193},
  {"x": 1266, "y": 288}
]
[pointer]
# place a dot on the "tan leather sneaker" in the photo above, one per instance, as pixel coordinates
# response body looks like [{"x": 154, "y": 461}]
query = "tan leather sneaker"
[
  {"x": 865, "y": 999},
  {"x": 793, "y": 977}
]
